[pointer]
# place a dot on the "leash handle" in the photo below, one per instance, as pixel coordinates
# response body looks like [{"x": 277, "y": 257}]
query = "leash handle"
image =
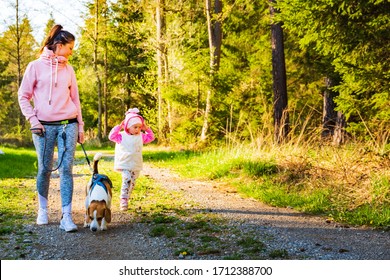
[{"x": 85, "y": 153}]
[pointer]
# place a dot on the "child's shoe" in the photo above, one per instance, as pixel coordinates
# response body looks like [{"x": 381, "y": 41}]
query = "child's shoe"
[
  {"x": 124, "y": 204},
  {"x": 42, "y": 218}
]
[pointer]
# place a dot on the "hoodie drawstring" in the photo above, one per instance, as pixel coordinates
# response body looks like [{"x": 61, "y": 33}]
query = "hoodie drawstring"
[
  {"x": 51, "y": 78},
  {"x": 55, "y": 80}
]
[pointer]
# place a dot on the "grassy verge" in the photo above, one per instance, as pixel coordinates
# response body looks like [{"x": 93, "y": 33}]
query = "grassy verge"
[
  {"x": 347, "y": 184},
  {"x": 17, "y": 170}
]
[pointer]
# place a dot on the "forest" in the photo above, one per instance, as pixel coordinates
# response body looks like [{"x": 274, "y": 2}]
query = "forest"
[{"x": 206, "y": 73}]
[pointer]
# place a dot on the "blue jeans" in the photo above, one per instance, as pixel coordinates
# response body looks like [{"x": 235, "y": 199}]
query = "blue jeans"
[{"x": 44, "y": 146}]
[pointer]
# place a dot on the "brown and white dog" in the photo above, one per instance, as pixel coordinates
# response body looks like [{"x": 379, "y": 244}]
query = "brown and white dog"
[{"x": 98, "y": 199}]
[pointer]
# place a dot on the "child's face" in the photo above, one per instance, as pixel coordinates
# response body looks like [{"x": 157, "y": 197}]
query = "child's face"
[{"x": 135, "y": 129}]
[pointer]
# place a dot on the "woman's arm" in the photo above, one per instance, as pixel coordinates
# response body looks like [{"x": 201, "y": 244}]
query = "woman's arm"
[{"x": 25, "y": 94}]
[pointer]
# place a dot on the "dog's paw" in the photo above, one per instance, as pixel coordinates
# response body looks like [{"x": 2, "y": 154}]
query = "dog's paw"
[{"x": 86, "y": 225}]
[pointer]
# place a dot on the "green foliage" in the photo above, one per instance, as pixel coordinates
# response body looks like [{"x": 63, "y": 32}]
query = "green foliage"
[
  {"x": 18, "y": 48},
  {"x": 353, "y": 37},
  {"x": 345, "y": 40},
  {"x": 124, "y": 62}
]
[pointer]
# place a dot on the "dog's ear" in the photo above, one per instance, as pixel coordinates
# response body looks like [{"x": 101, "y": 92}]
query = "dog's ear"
[
  {"x": 108, "y": 185},
  {"x": 87, "y": 219},
  {"x": 88, "y": 187},
  {"x": 107, "y": 215}
]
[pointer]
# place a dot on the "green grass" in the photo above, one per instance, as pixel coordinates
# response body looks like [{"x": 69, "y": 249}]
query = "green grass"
[
  {"x": 280, "y": 195},
  {"x": 18, "y": 163},
  {"x": 251, "y": 245},
  {"x": 17, "y": 188},
  {"x": 212, "y": 165}
]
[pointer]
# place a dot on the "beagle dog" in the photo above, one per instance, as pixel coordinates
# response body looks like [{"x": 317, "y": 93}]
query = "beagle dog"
[{"x": 98, "y": 199}]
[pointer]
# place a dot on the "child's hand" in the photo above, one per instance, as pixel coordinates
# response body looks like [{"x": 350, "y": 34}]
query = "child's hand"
[{"x": 144, "y": 127}]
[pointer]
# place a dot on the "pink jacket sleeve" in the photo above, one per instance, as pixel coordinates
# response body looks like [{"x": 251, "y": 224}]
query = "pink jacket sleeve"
[
  {"x": 148, "y": 136},
  {"x": 25, "y": 95},
  {"x": 114, "y": 134}
]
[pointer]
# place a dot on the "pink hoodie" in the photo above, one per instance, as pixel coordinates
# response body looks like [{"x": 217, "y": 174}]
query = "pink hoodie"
[{"x": 51, "y": 83}]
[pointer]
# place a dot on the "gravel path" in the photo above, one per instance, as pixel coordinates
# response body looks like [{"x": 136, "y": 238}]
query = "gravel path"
[{"x": 302, "y": 236}]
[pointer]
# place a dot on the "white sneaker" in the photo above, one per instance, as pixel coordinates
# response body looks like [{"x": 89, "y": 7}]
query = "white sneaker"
[
  {"x": 67, "y": 223},
  {"x": 42, "y": 218}
]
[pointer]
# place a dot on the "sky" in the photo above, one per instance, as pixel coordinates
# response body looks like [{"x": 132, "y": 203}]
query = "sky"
[{"x": 65, "y": 12}]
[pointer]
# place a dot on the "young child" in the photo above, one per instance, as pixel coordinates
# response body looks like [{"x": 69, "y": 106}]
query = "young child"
[{"x": 128, "y": 151}]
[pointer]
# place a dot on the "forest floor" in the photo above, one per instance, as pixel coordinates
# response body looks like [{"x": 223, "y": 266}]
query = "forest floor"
[{"x": 236, "y": 228}]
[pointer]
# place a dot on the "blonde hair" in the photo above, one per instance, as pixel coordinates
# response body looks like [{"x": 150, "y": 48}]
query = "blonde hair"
[{"x": 57, "y": 36}]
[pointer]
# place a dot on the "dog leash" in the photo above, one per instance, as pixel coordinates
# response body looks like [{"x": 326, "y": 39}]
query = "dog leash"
[
  {"x": 85, "y": 153},
  {"x": 63, "y": 135},
  {"x": 41, "y": 133}
]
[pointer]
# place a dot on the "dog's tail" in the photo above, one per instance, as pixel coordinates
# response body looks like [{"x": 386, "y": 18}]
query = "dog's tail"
[{"x": 96, "y": 159}]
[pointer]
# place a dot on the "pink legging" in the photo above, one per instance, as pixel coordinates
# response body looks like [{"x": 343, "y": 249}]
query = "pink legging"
[{"x": 128, "y": 182}]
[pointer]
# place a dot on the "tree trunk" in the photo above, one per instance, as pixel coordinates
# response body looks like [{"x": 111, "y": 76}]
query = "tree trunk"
[
  {"x": 161, "y": 63},
  {"x": 95, "y": 65},
  {"x": 329, "y": 113},
  {"x": 281, "y": 118},
  {"x": 21, "y": 119},
  {"x": 105, "y": 78},
  {"x": 214, "y": 27},
  {"x": 105, "y": 91},
  {"x": 169, "y": 107},
  {"x": 339, "y": 131},
  {"x": 18, "y": 59}
]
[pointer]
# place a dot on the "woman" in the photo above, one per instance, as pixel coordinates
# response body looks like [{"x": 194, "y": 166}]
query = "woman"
[{"x": 55, "y": 118}]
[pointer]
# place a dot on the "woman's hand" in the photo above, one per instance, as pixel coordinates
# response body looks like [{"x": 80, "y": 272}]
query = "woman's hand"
[
  {"x": 81, "y": 138},
  {"x": 38, "y": 129}
]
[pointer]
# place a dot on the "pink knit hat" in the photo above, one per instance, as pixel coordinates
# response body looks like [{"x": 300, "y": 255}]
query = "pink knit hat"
[{"x": 132, "y": 118}]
